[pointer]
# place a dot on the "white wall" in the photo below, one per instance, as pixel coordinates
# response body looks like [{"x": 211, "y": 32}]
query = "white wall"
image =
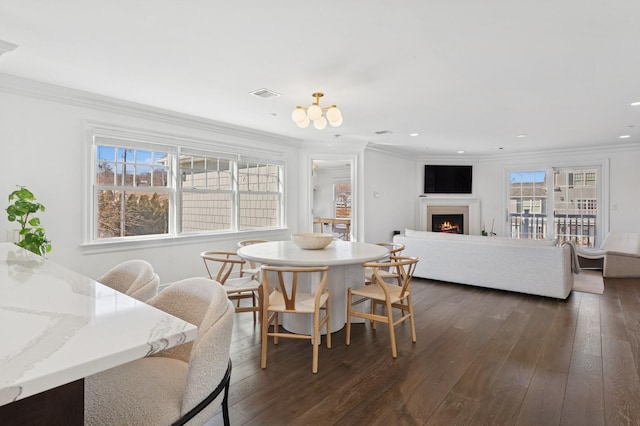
[
  {"x": 43, "y": 148},
  {"x": 389, "y": 195},
  {"x": 624, "y": 199},
  {"x": 620, "y": 202},
  {"x": 398, "y": 181}
]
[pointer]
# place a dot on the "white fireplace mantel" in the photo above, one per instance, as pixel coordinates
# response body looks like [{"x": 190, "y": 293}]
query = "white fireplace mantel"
[{"x": 472, "y": 203}]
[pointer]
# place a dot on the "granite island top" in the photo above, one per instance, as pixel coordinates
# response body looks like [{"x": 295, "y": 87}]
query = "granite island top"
[{"x": 58, "y": 326}]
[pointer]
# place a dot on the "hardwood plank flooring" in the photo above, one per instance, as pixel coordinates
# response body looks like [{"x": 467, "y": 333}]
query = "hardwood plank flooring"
[{"x": 482, "y": 357}]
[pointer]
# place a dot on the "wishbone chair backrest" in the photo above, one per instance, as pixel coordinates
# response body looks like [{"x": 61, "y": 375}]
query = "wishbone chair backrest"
[{"x": 289, "y": 295}]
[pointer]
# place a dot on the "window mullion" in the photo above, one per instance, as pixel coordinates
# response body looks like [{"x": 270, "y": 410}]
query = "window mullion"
[{"x": 236, "y": 196}]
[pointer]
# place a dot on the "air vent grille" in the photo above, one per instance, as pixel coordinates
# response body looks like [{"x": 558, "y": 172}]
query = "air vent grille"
[
  {"x": 6, "y": 46},
  {"x": 264, "y": 94}
]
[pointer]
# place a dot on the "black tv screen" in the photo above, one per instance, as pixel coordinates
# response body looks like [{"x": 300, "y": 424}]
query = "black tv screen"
[{"x": 442, "y": 179}]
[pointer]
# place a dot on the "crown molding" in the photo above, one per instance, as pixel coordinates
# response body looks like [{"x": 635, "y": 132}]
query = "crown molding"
[
  {"x": 45, "y": 91},
  {"x": 391, "y": 150},
  {"x": 469, "y": 159},
  {"x": 595, "y": 150}
]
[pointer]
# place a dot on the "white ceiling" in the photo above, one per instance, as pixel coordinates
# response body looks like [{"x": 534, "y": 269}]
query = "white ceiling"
[{"x": 467, "y": 75}]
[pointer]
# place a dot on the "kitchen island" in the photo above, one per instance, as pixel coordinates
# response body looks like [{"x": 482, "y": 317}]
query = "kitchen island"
[{"x": 58, "y": 327}]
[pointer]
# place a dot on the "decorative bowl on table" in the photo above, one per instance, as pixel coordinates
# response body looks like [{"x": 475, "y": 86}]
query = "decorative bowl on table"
[{"x": 312, "y": 241}]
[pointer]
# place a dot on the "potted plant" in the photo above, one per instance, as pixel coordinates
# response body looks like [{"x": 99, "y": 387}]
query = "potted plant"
[{"x": 23, "y": 210}]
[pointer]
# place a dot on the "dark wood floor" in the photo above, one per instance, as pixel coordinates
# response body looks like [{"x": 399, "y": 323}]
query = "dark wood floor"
[{"x": 483, "y": 357}]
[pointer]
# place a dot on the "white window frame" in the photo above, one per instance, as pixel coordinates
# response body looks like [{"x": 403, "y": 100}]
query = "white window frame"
[
  {"x": 602, "y": 190},
  {"x": 174, "y": 144}
]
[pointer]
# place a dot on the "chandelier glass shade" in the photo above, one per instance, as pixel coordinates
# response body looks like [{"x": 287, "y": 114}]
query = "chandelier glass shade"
[{"x": 320, "y": 116}]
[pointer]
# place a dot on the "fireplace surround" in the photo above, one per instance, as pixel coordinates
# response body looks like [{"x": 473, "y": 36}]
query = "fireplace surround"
[{"x": 469, "y": 207}]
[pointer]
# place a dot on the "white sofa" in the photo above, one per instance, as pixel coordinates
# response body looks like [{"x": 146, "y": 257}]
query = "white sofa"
[
  {"x": 621, "y": 254},
  {"x": 525, "y": 266}
]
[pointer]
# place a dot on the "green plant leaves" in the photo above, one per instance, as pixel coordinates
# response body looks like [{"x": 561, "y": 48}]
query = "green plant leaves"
[{"x": 33, "y": 235}]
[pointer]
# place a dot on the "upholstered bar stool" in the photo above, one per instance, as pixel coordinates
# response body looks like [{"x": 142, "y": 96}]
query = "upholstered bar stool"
[
  {"x": 134, "y": 278},
  {"x": 180, "y": 384}
]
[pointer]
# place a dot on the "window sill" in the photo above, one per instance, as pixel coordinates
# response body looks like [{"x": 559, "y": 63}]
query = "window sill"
[{"x": 113, "y": 245}]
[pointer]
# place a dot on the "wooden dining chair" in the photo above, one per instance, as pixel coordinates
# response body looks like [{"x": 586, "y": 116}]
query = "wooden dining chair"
[
  {"x": 390, "y": 295},
  {"x": 226, "y": 267},
  {"x": 395, "y": 249},
  {"x": 283, "y": 297},
  {"x": 254, "y": 267}
]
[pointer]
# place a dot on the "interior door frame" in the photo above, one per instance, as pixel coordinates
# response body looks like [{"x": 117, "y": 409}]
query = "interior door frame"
[{"x": 354, "y": 160}]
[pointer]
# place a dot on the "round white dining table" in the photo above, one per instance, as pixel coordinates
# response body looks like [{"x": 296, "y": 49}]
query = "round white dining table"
[{"x": 344, "y": 258}]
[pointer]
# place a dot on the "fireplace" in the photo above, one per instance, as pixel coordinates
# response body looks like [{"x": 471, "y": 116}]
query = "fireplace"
[
  {"x": 468, "y": 208},
  {"x": 448, "y": 223}
]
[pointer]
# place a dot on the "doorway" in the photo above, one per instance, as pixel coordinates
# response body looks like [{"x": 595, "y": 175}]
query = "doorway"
[{"x": 332, "y": 207}]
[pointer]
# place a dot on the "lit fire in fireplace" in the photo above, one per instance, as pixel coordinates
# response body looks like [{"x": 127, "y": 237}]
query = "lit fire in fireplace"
[{"x": 448, "y": 227}]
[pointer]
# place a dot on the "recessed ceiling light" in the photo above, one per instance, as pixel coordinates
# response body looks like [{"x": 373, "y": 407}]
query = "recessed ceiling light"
[
  {"x": 461, "y": 152},
  {"x": 636, "y": 103},
  {"x": 414, "y": 134},
  {"x": 625, "y": 136},
  {"x": 522, "y": 135}
]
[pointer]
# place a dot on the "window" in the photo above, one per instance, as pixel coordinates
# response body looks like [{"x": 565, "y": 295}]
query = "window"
[
  {"x": 528, "y": 204},
  {"x": 575, "y": 205},
  {"x": 571, "y": 214},
  {"x": 154, "y": 189},
  {"x": 260, "y": 191},
  {"x": 342, "y": 200},
  {"x": 206, "y": 194},
  {"x": 131, "y": 191}
]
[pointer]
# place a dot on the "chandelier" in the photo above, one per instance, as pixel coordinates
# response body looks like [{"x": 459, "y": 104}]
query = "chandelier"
[{"x": 303, "y": 116}]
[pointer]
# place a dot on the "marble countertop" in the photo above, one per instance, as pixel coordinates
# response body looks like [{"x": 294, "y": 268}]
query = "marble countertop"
[{"x": 58, "y": 326}]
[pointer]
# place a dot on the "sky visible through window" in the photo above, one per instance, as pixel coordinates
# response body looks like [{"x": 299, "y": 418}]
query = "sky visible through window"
[
  {"x": 122, "y": 155},
  {"x": 527, "y": 177}
]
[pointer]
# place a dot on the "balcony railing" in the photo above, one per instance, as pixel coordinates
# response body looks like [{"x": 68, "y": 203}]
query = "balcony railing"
[{"x": 578, "y": 228}]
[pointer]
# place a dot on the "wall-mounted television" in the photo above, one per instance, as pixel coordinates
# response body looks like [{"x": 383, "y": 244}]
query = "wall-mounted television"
[{"x": 447, "y": 179}]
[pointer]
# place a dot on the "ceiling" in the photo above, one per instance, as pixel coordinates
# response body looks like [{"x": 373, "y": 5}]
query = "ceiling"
[{"x": 465, "y": 75}]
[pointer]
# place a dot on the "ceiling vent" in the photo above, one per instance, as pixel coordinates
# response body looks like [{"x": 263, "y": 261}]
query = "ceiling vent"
[
  {"x": 264, "y": 94},
  {"x": 383, "y": 132},
  {"x": 5, "y": 46}
]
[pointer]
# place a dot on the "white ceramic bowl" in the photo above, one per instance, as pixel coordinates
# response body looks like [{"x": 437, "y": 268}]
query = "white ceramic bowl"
[{"x": 312, "y": 241}]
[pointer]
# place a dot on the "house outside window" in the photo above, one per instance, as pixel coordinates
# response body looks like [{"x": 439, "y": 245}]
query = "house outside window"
[
  {"x": 342, "y": 200},
  {"x": 570, "y": 214},
  {"x": 143, "y": 190},
  {"x": 575, "y": 205},
  {"x": 528, "y": 204}
]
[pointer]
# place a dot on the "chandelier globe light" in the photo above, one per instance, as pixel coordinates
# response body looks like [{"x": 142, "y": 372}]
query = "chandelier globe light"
[{"x": 320, "y": 116}]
